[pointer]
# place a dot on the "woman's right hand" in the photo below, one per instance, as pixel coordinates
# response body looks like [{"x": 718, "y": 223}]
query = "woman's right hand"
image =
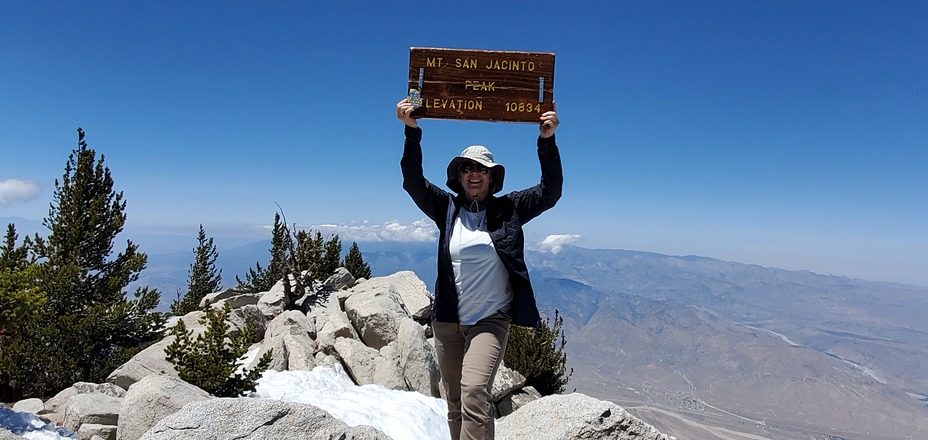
[{"x": 404, "y": 111}]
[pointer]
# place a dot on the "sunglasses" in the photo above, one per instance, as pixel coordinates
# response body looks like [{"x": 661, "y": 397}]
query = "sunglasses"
[{"x": 468, "y": 167}]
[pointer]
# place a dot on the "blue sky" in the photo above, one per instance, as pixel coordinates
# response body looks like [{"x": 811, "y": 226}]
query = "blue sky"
[{"x": 787, "y": 134}]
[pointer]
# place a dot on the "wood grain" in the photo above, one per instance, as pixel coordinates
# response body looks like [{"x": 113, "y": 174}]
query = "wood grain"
[{"x": 482, "y": 85}]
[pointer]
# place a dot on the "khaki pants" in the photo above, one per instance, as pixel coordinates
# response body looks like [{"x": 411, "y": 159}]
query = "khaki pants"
[{"x": 468, "y": 357}]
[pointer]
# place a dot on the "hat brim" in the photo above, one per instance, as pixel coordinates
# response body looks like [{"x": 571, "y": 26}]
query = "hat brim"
[{"x": 497, "y": 174}]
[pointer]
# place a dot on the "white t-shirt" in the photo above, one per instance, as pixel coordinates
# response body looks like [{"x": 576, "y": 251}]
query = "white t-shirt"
[{"x": 481, "y": 279}]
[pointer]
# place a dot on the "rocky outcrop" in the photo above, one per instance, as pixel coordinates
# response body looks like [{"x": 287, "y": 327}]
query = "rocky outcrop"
[
  {"x": 152, "y": 399},
  {"x": 32, "y": 405},
  {"x": 147, "y": 362},
  {"x": 375, "y": 330},
  {"x": 107, "y": 389},
  {"x": 517, "y": 399},
  {"x": 255, "y": 419},
  {"x": 417, "y": 362},
  {"x": 574, "y": 417},
  {"x": 94, "y": 408}
]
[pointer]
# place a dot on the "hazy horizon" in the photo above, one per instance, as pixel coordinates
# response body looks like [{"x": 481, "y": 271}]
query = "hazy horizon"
[{"x": 170, "y": 240}]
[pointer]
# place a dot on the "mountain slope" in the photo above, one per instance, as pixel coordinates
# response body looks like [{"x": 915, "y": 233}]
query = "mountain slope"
[{"x": 689, "y": 341}]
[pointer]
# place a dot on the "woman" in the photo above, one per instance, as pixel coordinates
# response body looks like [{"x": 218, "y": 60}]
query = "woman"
[{"x": 483, "y": 283}]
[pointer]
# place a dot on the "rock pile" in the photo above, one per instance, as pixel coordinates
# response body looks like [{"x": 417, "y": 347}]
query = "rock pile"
[{"x": 377, "y": 330}]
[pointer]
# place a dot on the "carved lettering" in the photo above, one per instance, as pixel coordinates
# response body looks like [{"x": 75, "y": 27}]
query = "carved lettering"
[
  {"x": 465, "y": 63},
  {"x": 483, "y": 86},
  {"x": 520, "y": 65},
  {"x": 454, "y": 104},
  {"x": 433, "y": 62}
]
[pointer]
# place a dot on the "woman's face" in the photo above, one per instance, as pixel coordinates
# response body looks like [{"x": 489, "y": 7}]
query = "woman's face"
[{"x": 475, "y": 179}]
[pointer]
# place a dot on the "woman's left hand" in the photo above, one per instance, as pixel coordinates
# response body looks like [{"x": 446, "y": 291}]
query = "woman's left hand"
[{"x": 549, "y": 122}]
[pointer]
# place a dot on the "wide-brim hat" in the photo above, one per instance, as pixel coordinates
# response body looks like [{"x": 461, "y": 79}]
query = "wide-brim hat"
[{"x": 481, "y": 155}]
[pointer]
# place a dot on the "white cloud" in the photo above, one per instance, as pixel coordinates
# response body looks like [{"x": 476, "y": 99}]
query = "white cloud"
[
  {"x": 553, "y": 243},
  {"x": 419, "y": 231},
  {"x": 17, "y": 190}
]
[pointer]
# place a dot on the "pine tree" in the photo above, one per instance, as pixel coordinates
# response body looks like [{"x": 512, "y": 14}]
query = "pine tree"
[
  {"x": 21, "y": 300},
  {"x": 21, "y": 303},
  {"x": 88, "y": 327},
  {"x": 12, "y": 256},
  {"x": 301, "y": 257},
  {"x": 212, "y": 360},
  {"x": 203, "y": 278},
  {"x": 303, "y": 254},
  {"x": 280, "y": 248},
  {"x": 314, "y": 249},
  {"x": 355, "y": 263},
  {"x": 539, "y": 355},
  {"x": 258, "y": 279},
  {"x": 332, "y": 257},
  {"x": 261, "y": 279}
]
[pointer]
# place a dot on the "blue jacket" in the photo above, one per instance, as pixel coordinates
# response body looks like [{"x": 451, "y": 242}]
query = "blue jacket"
[{"x": 505, "y": 216}]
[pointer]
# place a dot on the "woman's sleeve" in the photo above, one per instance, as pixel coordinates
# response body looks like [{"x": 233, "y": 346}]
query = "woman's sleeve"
[
  {"x": 531, "y": 202},
  {"x": 432, "y": 200}
]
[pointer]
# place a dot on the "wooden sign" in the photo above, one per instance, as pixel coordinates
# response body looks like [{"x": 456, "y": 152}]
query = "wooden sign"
[{"x": 480, "y": 85}]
